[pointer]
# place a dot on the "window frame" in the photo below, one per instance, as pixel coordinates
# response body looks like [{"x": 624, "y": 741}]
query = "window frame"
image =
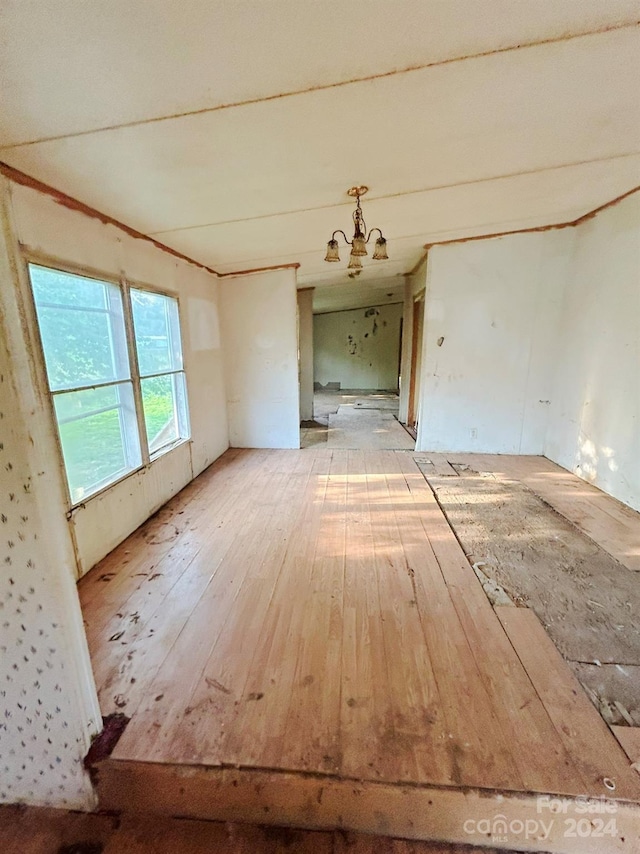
[
  {"x": 130, "y": 285},
  {"x": 124, "y": 285}
]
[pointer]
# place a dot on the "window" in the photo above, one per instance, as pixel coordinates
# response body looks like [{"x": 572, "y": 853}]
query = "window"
[
  {"x": 99, "y": 397},
  {"x": 157, "y": 334}
]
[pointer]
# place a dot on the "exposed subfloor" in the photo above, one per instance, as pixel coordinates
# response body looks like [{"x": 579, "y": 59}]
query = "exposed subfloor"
[
  {"x": 587, "y": 600},
  {"x": 312, "y": 612}
]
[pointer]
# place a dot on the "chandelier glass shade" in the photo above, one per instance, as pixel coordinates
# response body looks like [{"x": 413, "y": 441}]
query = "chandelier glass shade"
[{"x": 360, "y": 238}]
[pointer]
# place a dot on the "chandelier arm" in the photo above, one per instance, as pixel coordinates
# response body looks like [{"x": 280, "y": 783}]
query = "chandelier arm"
[
  {"x": 371, "y": 232},
  {"x": 340, "y": 231}
]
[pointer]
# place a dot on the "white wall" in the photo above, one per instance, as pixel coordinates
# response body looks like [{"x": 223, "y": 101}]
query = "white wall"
[
  {"x": 496, "y": 305},
  {"x": 358, "y": 349},
  {"x": 541, "y": 349},
  {"x": 45, "y": 226},
  {"x": 594, "y": 427},
  {"x": 260, "y": 338},
  {"x": 49, "y": 707},
  {"x": 305, "y": 352}
]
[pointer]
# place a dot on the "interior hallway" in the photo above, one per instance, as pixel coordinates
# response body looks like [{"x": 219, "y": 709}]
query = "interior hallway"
[{"x": 312, "y": 611}]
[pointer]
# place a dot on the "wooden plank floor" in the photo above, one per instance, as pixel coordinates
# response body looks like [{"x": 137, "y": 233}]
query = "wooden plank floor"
[
  {"x": 46, "y": 831},
  {"x": 312, "y": 611}
]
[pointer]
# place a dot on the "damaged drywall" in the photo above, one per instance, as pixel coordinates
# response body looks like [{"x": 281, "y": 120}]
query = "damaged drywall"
[{"x": 359, "y": 349}]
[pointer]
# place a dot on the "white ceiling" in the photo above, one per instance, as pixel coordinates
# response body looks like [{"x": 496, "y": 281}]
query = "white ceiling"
[{"x": 231, "y": 130}]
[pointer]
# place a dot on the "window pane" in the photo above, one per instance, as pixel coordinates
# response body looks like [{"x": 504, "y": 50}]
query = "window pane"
[
  {"x": 161, "y": 405},
  {"x": 99, "y": 437},
  {"x": 157, "y": 332},
  {"x": 81, "y": 327},
  {"x": 60, "y": 288}
]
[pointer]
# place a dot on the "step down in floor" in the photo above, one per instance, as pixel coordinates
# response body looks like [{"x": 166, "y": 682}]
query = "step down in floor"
[{"x": 508, "y": 820}]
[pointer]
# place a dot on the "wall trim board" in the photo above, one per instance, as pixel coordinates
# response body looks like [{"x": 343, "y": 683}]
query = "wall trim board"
[
  {"x": 293, "y": 265},
  {"x": 305, "y": 352},
  {"x": 570, "y": 224},
  {"x": 605, "y": 205},
  {"x": 61, "y": 198},
  {"x": 67, "y": 201}
]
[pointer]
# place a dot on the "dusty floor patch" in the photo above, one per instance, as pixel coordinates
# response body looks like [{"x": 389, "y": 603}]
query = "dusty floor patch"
[
  {"x": 367, "y": 429},
  {"x": 350, "y": 431}
]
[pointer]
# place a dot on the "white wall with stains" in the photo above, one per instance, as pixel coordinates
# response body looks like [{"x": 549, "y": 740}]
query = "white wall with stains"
[
  {"x": 48, "y": 703},
  {"x": 594, "y": 426},
  {"x": 260, "y": 339},
  {"x": 359, "y": 349},
  {"x": 532, "y": 346},
  {"x": 490, "y": 344},
  {"x": 46, "y": 227}
]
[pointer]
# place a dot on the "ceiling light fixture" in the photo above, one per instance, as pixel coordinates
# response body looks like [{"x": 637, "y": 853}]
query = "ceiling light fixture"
[{"x": 360, "y": 238}]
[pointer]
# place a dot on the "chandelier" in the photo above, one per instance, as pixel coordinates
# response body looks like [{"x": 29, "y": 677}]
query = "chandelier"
[{"x": 360, "y": 238}]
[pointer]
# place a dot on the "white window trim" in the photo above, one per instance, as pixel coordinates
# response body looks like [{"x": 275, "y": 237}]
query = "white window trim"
[{"x": 124, "y": 285}]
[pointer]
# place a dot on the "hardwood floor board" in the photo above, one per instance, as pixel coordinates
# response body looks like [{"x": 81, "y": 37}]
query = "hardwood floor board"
[
  {"x": 629, "y": 738},
  {"x": 33, "y": 830},
  {"x": 37, "y": 830},
  {"x": 366, "y": 696},
  {"x": 543, "y": 761},
  {"x": 312, "y": 740},
  {"x": 458, "y": 815},
  {"x": 317, "y": 617},
  {"x": 153, "y": 625},
  {"x": 153, "y": 728},
  {"x": 588, "y": 603},
  {"x": 591, "y": 744},
  {"x": 211, "y": 726},
  {"x": 480, "y": 750},
  {"x": 131, "y": 565},
  {"x": 545, "y": 562},
  {"x": 416, "y": 731},
  {"x": 208, "y": 710},
  {"x": 437, "y": 464},
  {"x": 259, "y": 733}
]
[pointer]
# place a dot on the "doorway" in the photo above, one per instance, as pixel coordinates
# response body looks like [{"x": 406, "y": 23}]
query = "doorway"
[{"x": 417, "y": 333}]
